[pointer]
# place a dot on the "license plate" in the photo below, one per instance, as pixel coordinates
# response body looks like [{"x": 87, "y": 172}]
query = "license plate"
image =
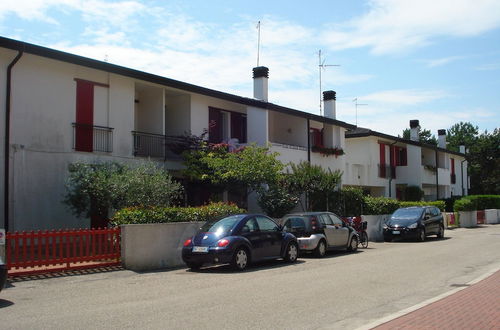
[
  {"x": 202, "y": 249},
  {"x": 396, "y": 232}
]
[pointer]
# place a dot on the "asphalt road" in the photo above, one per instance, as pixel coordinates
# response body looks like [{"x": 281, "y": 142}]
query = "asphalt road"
[{"x": 340, "y": 291}]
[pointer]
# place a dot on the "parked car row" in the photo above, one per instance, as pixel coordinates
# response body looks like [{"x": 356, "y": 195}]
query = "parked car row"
[{"x": 241, "y": 239}]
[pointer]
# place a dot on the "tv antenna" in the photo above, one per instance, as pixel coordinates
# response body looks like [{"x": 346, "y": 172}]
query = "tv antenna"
[
  {"x": 322, "y": 66},
  {"x": 258, "y": 42},
  {"x": 356, "y": 105}
]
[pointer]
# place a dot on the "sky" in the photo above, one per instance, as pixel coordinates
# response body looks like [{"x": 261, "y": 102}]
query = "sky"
[{"x": 437, "y": 61}]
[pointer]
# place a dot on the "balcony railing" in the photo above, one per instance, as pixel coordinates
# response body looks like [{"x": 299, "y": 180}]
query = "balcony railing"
[
  {"x": 92, "y": 138},
  {"x": 158, "y": 145},
  {"x": 386, "y": 171}
]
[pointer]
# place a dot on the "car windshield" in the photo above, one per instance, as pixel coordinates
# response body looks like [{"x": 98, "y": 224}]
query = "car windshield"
[
  {"x": 221, "y": 226},
  {"x": 407, "y": 214}
]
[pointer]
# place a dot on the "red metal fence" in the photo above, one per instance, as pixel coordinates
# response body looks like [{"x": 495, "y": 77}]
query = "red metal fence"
[{"x": 58, "y": 250}]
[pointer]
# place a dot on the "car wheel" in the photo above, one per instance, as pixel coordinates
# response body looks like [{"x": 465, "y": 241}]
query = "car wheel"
[
  {"x": 421, "y": 235},
  {"x": 240, "y": 259},
  {"x": 353, "y": 244},
  {"x": 440, "y": 234},
  {"x": 292, "y": 252},
  {"x": 320, "y": 250},
  {"x": 387, "y": 239},
  {"x": 193, "y": 265}
]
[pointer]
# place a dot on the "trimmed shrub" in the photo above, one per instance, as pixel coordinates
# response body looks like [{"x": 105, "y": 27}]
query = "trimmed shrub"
[
  {"x": 464, "y": 204},
  {"x": 439, "y": 204},
  {"x": 379, "y": 205},
  {"x": 483, "y": 202},
  {"x": 141, "y": 215}
]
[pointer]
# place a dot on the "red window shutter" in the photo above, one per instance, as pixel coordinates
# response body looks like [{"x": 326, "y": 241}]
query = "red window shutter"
[
  {"x": 404, "y": 157},
  {"x": 215, "y": 123},
  {"x": 84, "y": 116},
  {"x": 382, "y": 160},
  {"x": 452, "y": 166}
]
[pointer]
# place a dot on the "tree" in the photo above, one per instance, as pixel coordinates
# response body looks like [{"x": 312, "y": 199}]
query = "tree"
[
  {"x": 424, "y": 137},
  {"x": 278, "y": 199},
  {"x": 248, "y": 167},
  {"x": 92, "y": 190},
  {"x": 317, "y": 184},
  {"x": 484, "y": 163},
  {"x": 461, "y": 134}
]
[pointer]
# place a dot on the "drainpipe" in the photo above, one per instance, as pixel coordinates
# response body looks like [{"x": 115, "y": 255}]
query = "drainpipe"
[
  {"x": 437, "y": 175},
  {"x": 308, "y": 142},
  {"x": 7, "y": 140}
]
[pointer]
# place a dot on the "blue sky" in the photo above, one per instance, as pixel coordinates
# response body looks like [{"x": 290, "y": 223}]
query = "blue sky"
[{"x": 433, "y": 60}]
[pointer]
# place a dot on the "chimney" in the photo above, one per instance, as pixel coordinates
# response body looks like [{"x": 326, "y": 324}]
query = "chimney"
[
  {"x": 260, "y": 83},
  {"x": 442, "y": 138},
  {"x": 329, "y": 98},
  {"x": 462, "y": 149},
  {"x": 414, "y": 130}
]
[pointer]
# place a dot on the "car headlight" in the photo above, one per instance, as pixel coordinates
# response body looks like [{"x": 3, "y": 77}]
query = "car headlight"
[{"x": 413, "y": 225}]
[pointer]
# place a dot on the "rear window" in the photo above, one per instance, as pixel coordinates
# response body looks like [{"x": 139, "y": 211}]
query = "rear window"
[
  {"x": 295, "y": 224},
  {"x": 221, "y": 226},
  {"x": 407, "y": 213}
]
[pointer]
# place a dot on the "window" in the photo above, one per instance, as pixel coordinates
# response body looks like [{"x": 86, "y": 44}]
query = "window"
[
  {"x": 294, "y": 224},
  {"x": 336, "y": 221},
  {"x": 266, "y": 224},
  {"x": 435, "y": 211},
  {"x": 401, "y": 156},
  {"x": 250, "y": 226},
  {"x": 326, "y": 220},
  {"x": 382, "y": 168},
  {"x": 316, "y": 137},
  {"x": 224, "y": 125}
]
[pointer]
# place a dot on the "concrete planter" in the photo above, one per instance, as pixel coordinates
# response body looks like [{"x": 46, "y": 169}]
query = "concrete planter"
[
  {"x": 468, "y": 219},
  {"x": 375, "y": 223},
  {"x": 155, "y": 246},
  {"x": 492, "y": 216}
]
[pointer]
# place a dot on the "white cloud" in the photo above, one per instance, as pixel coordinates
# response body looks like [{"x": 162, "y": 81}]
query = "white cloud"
[
  {"x": 442, "y": 61},
  {"x": 403, "y": 97},
  {"x": 394, "y": 26},
  {"x": 488, "y": 67}
]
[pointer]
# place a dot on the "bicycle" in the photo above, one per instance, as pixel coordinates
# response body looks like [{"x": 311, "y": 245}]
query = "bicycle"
[{"x": 360, "y": 227}]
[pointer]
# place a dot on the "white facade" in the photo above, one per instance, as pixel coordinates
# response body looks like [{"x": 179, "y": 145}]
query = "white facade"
[{"x": 135, "y": 111}]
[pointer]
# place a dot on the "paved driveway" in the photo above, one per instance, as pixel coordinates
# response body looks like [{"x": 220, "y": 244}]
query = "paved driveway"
[{"x": 341, "y": 291}]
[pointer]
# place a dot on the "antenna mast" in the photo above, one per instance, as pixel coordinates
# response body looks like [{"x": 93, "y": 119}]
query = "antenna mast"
[
  {"x": 357, "y": 104},
  {"x": 258, "y": 43},
  {"x": 322, "y": 66}
]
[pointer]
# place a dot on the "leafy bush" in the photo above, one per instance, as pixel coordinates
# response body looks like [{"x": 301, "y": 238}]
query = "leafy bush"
[
  {"x": 277, "y": 200},
  {"x": 439, "y": 204},
  {"x": 379, "y": 205},
  {"x": 483, "y": 202},
  {"x": 449, "y": 203},
  {"x": 413, "y": 193},
  {"x": 464, "y": 204},
  {"x": 138, "y": 215}
]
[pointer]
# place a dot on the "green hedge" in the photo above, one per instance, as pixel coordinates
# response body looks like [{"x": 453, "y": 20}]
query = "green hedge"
[
  {"x": 477, "y": 202},
  {"x": 137, "y": 215},
  {"x": 439, "y": 204},
  {"x": 379, "y": 205}
]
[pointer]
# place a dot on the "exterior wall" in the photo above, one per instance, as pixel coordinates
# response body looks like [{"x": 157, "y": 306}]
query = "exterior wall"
[
  {"x": 121, "y": 114},
  {"x": 150, "y": 110},
  {"x": 258, "y": 125},
  {"x": 286, "y": 129},
  {"x": 178, "y": 115}
]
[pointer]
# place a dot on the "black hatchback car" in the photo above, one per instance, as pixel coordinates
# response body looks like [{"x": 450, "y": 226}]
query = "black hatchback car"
[
  {"x": 238, "y": 240},
  {"x": 415, "y": 222}
]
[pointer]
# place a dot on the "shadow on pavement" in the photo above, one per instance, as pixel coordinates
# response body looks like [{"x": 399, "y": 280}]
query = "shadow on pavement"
[
  {"x": 227, "y": 269},
  {"x": 5, "y": 303},
  {"x": 43, "y": 276}
]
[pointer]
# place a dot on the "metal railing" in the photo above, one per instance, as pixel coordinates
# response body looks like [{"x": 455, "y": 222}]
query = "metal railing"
[
  {"x": 158, "y": 145},
  {"x": 386, "y": 171},
  {"x": 92, "y": 138}
]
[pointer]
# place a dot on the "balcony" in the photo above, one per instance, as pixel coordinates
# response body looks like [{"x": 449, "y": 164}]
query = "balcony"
[
  {"x": 91, "y": 138},
  {"x": 386, "y": 171},
  {"x": 159, "y": 146}
]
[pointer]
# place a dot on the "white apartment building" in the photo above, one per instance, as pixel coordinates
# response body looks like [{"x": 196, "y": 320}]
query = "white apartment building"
[
  {"x": 384, "y": 165},
  {"x": 62, "y": 108}
]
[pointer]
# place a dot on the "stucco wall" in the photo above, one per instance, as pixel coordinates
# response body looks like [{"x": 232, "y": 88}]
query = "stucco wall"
[{"x": 155, "y": 246}]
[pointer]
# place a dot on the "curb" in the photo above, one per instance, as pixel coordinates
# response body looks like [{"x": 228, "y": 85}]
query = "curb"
[{"x": 426, "y": 302}]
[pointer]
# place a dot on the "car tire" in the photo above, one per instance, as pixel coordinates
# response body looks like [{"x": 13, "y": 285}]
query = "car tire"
[
  {"x": 387, "y": 239},
  {"x": 240, "y": 259},
  {"x": 292, "y": 252},
  {"x": 320, "y": 249},
  {"x": 440, "y": 233},
  {"x": 193, "y": 265},
  {"x": 421, "y": 235},
  {"x": 353, "y": 244}
]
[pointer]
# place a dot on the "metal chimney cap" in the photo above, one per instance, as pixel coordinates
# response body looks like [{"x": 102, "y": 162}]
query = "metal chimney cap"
[
  {"x": 329, "y": 95},
  {"x": 441, "y": 132},
  {"x": 260, "y": 71},
  {"x": 414, "y": 123}
]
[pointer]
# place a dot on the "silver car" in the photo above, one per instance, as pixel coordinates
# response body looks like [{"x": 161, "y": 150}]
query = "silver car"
[{"x": 319, "y": 232}]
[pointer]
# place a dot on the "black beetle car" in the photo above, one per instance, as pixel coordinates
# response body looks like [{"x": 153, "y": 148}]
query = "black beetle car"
[
  {"x": 414, "y": 222},
  {"x": 238, "y": 240}
]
